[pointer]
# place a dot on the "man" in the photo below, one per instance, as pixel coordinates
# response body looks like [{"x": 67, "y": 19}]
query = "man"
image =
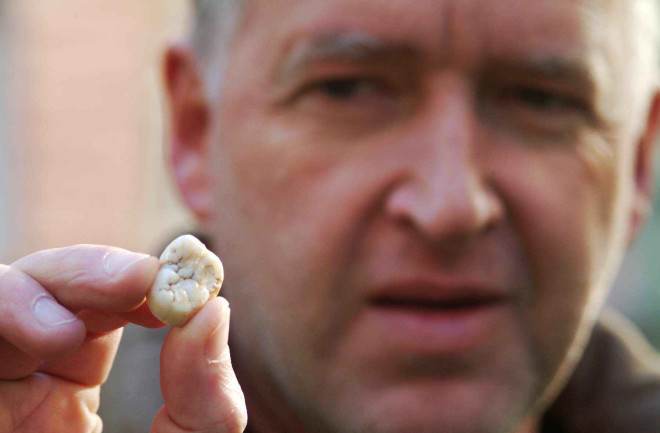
[{"x": 420, "y": 207}]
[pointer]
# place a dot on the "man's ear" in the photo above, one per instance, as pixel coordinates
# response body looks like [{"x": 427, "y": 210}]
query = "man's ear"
[
  {"x": 190, "y": 122},
  {"x": 644, "y": 170}
]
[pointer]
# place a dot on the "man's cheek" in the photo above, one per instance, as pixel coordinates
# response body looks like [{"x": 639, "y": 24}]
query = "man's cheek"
[{"x": 550, "y": 205}]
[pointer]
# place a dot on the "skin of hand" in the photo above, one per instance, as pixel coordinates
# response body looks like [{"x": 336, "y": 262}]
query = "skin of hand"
[{"x": 62, "y": 312}]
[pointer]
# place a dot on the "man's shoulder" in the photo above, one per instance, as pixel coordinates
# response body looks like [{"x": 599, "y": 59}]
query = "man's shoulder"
[{"x": 616, "y": 385}]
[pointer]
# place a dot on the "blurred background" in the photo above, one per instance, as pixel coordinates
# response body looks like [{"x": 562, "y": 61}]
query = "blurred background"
[
  {"x": 81, "y": 159},
  {"x": 82, "y": 124}
]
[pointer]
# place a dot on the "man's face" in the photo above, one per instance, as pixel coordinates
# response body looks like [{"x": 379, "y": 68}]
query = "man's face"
[{"x": 420, "y": 203}]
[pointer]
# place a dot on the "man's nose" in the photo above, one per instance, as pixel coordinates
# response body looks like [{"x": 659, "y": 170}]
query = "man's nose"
[{"x": 446, "y": 193}]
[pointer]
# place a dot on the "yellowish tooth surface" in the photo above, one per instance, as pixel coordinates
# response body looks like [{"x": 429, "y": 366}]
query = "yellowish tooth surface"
[{"x": 189, "y": 276}]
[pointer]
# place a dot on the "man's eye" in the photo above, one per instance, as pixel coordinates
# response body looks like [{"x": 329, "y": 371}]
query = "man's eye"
[
  {"x": 347, "y": 88},
  {"x": 541, "y": 99},
  {"x": 352, "y": 98},
  {"x": 537, "y": 108}
]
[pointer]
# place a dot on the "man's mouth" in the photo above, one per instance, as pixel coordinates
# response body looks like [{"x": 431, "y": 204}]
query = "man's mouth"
[
  {"x": 431, "y": 305},
  {"x": 436, "y": 320}
]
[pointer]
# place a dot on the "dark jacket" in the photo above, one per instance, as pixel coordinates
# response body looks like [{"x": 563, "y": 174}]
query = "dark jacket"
[{"x": 615, "y": 387}]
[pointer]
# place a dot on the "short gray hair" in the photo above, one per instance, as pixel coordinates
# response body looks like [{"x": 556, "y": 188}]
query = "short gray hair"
[
  {"x": 215, "y": 22},
  {"x": 645, "y": 49},
  {"x": 213, "y": 19}
]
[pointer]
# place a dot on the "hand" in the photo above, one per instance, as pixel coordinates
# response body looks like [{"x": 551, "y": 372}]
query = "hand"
[{"x": 61, "y": 317}]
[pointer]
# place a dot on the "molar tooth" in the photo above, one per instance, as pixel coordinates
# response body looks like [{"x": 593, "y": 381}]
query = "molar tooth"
[{"x": 190, "y": 275}]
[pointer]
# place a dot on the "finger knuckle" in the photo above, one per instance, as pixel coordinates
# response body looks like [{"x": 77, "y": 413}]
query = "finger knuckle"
[{"x": 234, "y": 422}]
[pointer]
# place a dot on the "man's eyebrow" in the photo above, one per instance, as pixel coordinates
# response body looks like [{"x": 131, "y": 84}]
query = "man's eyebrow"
[
  {"x": 351, "y": 46},
  {"x": 572, "y": 70}
]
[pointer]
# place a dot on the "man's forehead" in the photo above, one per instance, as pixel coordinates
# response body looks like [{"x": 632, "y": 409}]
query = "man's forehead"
[
  {"x": 596, "y": 36},
  {"x": 550, "y": 33},
  {"x": 358, "y": 46},
  {"x": 446, "y": 24}
]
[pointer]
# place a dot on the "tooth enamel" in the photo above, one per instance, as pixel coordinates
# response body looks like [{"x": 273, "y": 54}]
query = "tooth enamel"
[{"x": 190, "y": 275}]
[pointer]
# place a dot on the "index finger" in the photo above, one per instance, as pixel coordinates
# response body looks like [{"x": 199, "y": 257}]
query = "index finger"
[{"x": 92, "y": 277}]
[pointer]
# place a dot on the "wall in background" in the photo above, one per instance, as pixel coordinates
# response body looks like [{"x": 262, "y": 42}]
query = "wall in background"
[
  {"x": 4, "y": 229},
  {"x": 11, "y": 151},
  {"x": 85, "y": 120}
]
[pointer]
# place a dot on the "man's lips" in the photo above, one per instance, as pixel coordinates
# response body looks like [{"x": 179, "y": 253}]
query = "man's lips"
[
  {"x": 430, "y": 295},
  {"x": 436, "y": 319}
]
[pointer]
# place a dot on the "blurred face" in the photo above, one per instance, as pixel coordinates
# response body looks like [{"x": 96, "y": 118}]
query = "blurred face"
[{"x": 420, "y": 204}]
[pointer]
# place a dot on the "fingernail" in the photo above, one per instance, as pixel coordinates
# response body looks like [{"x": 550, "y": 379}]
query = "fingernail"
[
  {"x": 49, "y": 313},
  {"x": 216, "y": 344},
  {"x": 117, "y": 261}
]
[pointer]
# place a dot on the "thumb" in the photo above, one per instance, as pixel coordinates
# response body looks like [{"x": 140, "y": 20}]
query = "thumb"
[{"x": 199, "y": 386}]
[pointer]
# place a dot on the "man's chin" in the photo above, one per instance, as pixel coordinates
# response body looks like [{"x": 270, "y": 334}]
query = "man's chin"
[{"x": 438, "y": 407}]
